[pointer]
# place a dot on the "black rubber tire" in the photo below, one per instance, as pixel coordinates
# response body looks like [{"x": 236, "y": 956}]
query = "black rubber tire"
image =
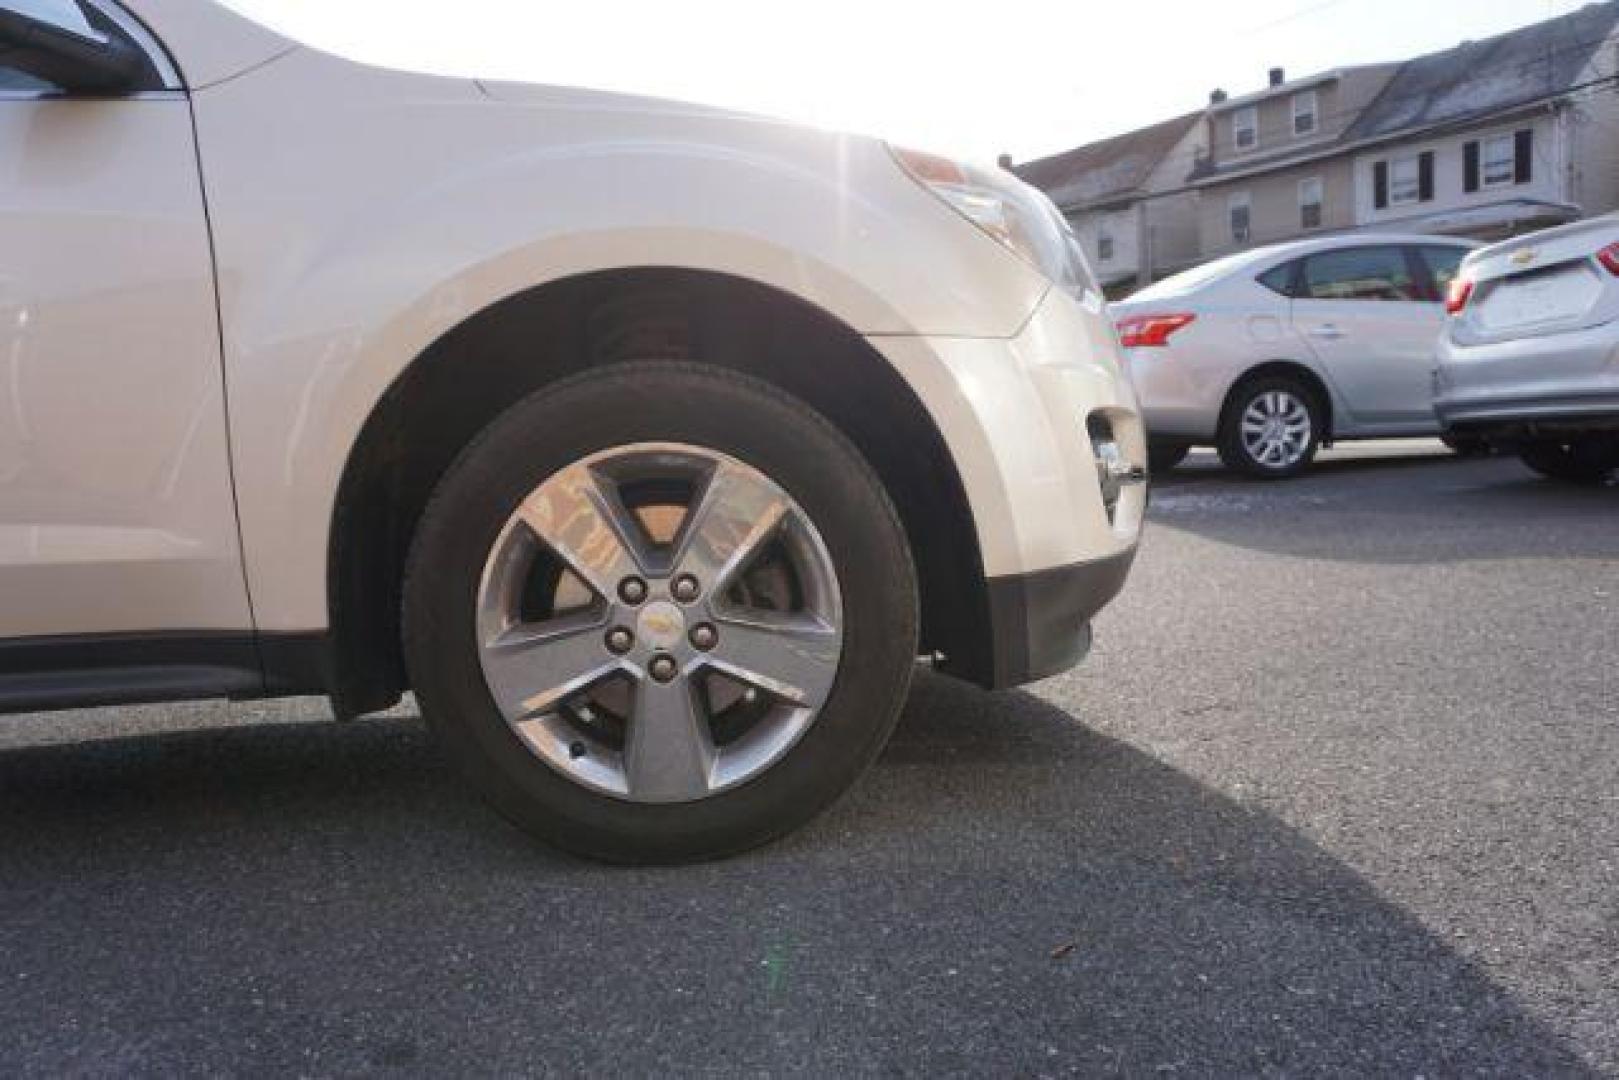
[
  {"x": 1164, "y": 456},
  {"x": 1466, "y": 445},
  {"x": 1232, "y": 451},
  {"x": 704, "y": 406},
  {"x": 1591, "y": 460}
]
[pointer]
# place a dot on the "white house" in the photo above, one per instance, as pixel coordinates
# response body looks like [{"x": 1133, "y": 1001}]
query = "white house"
[{"x": 1494, "y": 137}]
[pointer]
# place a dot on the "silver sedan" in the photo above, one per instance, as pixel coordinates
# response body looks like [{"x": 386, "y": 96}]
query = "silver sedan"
[
  {"x": 1530, "y": 359},
  {"x": 1270, "y": 353}
]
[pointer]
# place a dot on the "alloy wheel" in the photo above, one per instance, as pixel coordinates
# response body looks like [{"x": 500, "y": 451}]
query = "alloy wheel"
[
  {"x": 1276, "y": 429},
  {"x": 659, "y": 622}
]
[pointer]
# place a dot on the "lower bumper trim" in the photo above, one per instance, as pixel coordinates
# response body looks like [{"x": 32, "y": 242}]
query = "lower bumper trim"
[
  {"x": 1040, "y": 622},
  {"x": 1528, "y": 415}
]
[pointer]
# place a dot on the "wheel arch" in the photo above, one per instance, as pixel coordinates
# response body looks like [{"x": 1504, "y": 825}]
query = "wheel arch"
[
  {"x": 524, "y": 342},
  {"x": 1294, "y": 369}
]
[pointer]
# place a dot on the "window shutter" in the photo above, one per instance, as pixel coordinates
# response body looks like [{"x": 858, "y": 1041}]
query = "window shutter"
[
  {"x": 1470, "y": 166},
  {"x": 1425, "y": 176},
  {"x": 1524, "y": 153},
  {"x": 1380, "y": 185}
]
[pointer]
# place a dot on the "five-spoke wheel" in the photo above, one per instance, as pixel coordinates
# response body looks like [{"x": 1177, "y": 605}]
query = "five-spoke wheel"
[
  {"x": 659, "y": 621},
  {"x": 660, "y": 611}
]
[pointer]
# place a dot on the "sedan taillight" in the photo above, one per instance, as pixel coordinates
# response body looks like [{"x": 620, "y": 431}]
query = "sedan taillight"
[
  {"x": 1461, "y": 291},
  {"x": 1609, "y": 258},
  {"x": 1150, "y": 331}
]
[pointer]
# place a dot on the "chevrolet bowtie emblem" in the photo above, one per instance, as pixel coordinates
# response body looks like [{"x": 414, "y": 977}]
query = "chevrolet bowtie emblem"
[{"x": 1524, "y": 257}]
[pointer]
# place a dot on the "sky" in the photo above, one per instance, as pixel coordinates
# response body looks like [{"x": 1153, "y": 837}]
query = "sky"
[{"x": 1025, "y": 77}]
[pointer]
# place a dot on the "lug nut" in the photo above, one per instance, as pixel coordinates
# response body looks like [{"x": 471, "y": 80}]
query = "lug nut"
[
  {"x": 632, "y": 590},
  {"x": 620, "y": 640},
  {"x": 704, "y": 636},
  {"x": 663, "y": 667},
  {"x": 686, "y": 589}
]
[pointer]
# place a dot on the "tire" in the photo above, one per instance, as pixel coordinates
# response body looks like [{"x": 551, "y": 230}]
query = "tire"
[
  {"x": 724, "y": 419},
  {"x": 1303, "y": 423},
  {"x": 1466, "y": 445},
  {"x": 1164, "y": 456},
  {"x": 1593, "y": 459}
]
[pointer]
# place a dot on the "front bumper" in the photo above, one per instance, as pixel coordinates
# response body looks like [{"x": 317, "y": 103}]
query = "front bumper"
[
  {"x": 1016, "y": 416},
  {"x": 1013, "y": 414},
  {"x": 1041, "y": 622}
]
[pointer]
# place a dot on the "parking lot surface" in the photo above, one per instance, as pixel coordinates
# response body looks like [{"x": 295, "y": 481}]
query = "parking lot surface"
[{"x": 1337, "y": 792}]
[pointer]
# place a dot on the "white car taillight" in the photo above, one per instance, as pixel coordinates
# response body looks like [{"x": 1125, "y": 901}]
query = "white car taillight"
[
  {"x": 1150, "y": 331},
  {"x": 1609, "y": 258}
]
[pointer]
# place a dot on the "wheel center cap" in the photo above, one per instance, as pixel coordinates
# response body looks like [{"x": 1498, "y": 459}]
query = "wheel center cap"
[{"x": 661, "y": 625}]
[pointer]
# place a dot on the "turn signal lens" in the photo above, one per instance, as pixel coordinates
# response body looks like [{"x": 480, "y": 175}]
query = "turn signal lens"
[
  {"x": 1461, "y": 291},
  {"x": 1150, "y": 331},
  {"x": 1609, "y": 258}
]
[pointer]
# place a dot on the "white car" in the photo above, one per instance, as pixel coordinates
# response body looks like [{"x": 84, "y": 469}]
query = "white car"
[
  {"x": 1530, "y": 360},
  {"x": 1269, "y": 353},
  {"x": 649, "y": 444}
]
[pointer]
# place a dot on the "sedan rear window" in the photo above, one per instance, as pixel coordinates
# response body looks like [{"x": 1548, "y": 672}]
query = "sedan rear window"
[
  {"x": 1369, "y": 273},
  {"x": 1279, "y": 279}
]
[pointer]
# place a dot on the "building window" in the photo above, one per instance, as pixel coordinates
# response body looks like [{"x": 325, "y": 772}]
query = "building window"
[
  {"x": 1310, "y": 203},
  {"x": 1405, "y": 181},
  {"x": 1500, "y": 161},
  {"x": 1240, "y": 211},
  {"x": 1304, "y": 113},
  {"x": 1245, "y": 128},
  {"x": 1104, "y": 244}
]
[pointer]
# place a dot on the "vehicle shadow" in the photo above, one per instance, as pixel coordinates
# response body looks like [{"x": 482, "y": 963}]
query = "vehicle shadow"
[
  {"x": 1008, "y": 891},
  {"x": 1400, "y": 510}
]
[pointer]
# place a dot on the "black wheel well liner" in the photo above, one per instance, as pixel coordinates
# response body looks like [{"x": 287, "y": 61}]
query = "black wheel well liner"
[{"x": 527, "y": 341}]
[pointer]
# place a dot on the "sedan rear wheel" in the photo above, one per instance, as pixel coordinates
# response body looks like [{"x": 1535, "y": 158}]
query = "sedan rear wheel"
[{"x": 1271, "y": 429}]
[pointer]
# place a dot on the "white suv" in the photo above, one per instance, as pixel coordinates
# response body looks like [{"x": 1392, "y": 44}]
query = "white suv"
[{"x": 649, "y": 444}]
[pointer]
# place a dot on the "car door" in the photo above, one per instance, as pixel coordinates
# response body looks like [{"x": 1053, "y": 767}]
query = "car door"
[
  {"x": 1369, "y": 315},
  {"x": 116, "y": 514}
]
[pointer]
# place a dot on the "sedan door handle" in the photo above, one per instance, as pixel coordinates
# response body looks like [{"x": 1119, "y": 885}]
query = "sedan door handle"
[{"x": 1327, "y": 332}]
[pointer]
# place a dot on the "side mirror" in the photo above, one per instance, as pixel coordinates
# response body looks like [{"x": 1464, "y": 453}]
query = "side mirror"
[{"x": 52, "y": 40}]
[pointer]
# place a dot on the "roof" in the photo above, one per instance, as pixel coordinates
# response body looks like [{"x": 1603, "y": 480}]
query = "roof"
[
  {"x": 1295, "y": 151},
  {"x": 1109, "y": 170},
  {"x": 1292, "y": 154},
  {"x": 1506, "y": 212},
  {"x": 1286, "y": 89},
  {"x": 1478, "y": 78}
]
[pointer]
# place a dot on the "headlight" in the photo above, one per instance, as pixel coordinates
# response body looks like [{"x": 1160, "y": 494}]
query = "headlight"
[{"x": 1006, "y": 208}]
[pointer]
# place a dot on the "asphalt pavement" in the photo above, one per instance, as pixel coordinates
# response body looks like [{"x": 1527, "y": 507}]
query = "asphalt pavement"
[{"x": 1336, "y": 793}]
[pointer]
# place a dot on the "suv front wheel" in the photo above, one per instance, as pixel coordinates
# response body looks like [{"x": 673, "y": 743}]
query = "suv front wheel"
[{"x": 660, "y": 612}]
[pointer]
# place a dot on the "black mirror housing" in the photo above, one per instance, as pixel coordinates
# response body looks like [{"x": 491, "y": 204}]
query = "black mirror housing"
[{"x": 79, "y": 64}]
